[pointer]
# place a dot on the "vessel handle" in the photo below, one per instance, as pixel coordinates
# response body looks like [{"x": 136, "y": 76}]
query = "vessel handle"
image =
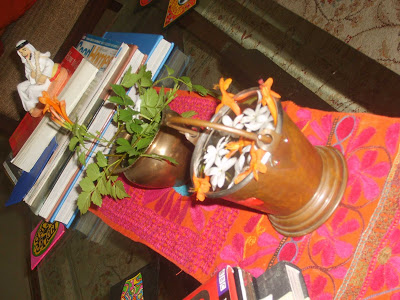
[{"x": 261, "y": 140}]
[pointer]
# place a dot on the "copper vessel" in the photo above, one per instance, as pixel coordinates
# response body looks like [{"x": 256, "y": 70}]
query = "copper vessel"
[
  {"x": 303, "y": 184},
  {"x": 153, "y": 173}
]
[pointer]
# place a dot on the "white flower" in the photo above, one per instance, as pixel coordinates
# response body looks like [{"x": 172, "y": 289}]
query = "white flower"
[
  {"x": 217, "y": 173},
  {"x": 240, "y": 163},
  {"x": 236, "y": 123},
  {"x": 255, "y": 119},
  {"x": 214, "y": 152},
  {"x": 268, "y": 124},
  {"x": 266, "y": 157}
]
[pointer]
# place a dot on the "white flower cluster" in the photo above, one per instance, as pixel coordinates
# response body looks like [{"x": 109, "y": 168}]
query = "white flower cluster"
[{"x": 217, "y": 164}]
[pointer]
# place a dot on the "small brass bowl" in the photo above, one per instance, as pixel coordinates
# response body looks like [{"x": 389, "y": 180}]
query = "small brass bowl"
[{"x": 153, "y": 173}]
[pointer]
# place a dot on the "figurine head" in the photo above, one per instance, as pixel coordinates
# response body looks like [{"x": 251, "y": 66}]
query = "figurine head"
[{"x": 24, "y": 49}]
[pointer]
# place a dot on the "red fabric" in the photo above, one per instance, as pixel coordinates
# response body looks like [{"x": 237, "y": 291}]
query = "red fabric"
[
  {"x": 11, "y": 10},
  {"x": 355, "y": 254}
]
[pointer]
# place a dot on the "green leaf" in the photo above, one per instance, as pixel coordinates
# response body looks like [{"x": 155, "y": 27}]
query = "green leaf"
[
  {"x": 84, "y": 202},
  {"x": 200, "y": 89},
  {"x": 135, "y": 128},
  {"x": 162, "y": 157},
  {"x": 87, "y": 185},
  {"x": 120, "y": 191},
  {"x": 143, "y": 143},
  {"x": 123, "y": 142},
  {"x": 128, "y": 127},
  {"x": 113, "y": 178},
  {"x": 101, "y": 186},
  {"x": 93, "y": 171},
  {"x": 145, "y": 112},
  {"x": 152, "y": 111},
  {"x": 116, "y": 99},
  {"x": 150, "y": 98},
  {"x": 125, "y": 146},
  {"x": 157, "y": 120},
  {"x": 187, "y": 81},
  {"x": 119, "y": 90},
  {"x": 108, "y": 187},
  {"x": 114, "y": 192},
  {"x": 96, "y": 198},
  {"x": 146, "y": 80},
  {"x": 171, "y": 160},
  {"x": 101, "y": 159},
  {"x": 125, "y": 115},
  {"x": 133, "y": 152},
  {"x": 123, "y": 149},
  {"x": 188, "y": 114},
  {"x": 130, "y": 79},
  {"x": 82, "y": 158},
  {"x": 72, "y": 143},
  {"x": 128, "y": 100},
  {"x": 169, "y": 70},
  {"x": 161, "y": 97}
]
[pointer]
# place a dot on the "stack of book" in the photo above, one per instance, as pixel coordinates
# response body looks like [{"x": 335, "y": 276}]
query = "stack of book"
[
  {"x": 46, "y": 173},
  {"x": 283, "y": 281}
]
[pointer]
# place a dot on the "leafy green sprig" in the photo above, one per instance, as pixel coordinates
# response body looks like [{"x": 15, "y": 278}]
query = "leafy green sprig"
[{"x": 141, "y": 122}]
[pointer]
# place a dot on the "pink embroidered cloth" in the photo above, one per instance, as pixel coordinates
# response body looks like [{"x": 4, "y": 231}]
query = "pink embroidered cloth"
[{"x": 355, "y": 254}]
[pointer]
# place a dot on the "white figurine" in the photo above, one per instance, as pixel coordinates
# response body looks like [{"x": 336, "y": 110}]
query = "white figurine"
[{"x": 38, "y": 71}]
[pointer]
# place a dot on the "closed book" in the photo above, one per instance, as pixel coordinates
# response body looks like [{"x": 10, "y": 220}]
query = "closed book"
[
  {"x": 244, "y": 284},
  {"x": 177, "y": 61},
  {"x": 12, "y": 172},
  {"x": 154, "y": 45},
  {"x": 28, "y": 179},
  {"x": 146, "y": 42},
  {"x": 283, "y": 281},
  {"x": 98, "y": 50},
  {"x": 23, "y": 131}
]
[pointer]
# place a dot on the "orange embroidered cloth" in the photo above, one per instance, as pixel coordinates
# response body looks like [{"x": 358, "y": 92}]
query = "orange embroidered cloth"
[{"x": 355, "y": 254}]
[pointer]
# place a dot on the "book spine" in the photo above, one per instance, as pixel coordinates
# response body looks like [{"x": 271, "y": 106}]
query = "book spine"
[{"x": 163, "y": 60}]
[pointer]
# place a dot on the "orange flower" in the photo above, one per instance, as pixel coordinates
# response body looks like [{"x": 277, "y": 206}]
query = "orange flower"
[
  {"x": 255, "y": 165},
  {"x": 227, "y": 98},
  {"x": 267, "y": 95},
  {"x": 242, "y": 176},
  {"x": 235, "y": 146},
  {"x": 201, "y": 186},
  {"x": 55, "y": 107}
]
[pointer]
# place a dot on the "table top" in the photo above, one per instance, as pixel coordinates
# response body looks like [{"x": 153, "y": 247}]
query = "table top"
[{"x": 354, "y": 254}]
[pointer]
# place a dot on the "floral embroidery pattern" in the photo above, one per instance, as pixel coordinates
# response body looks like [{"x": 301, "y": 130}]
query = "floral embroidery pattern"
[
  {"x": 331, "y": 244},
  {"x": 362, "y": 174},
  {"x": 387, "y": 273}
]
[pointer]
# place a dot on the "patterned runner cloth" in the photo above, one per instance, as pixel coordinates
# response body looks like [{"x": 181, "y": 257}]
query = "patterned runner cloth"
[{"x": 355, "y": 254}]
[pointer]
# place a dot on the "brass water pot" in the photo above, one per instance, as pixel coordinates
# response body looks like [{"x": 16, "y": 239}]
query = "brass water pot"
[{"x": 303, "y": 184}]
